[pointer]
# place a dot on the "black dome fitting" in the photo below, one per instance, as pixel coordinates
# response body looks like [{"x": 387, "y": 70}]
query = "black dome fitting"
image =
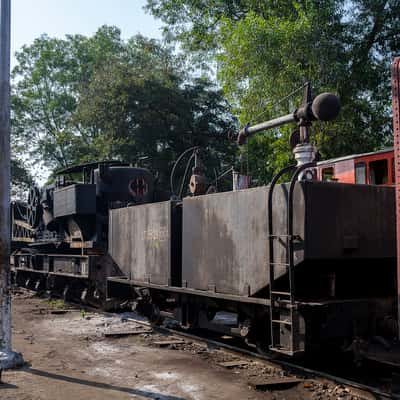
[{"x": 326, "y": 107}]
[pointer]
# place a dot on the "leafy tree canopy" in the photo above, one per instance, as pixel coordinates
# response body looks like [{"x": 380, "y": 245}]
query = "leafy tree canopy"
[
  {"x": 82, "y": 99},
  {"x": 21, "y": 179},
  {"x": 266, "y": 49}
]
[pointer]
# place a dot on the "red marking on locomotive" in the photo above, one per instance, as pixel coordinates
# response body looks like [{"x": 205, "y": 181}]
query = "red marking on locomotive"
[{"x": 138, "y": 187}]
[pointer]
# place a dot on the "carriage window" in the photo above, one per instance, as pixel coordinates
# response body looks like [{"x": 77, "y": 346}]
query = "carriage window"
[
  {"x": 360, "y": 173},
  {"x": 378, "y": 172},
  {"x": 327, "y": 174},
  {"x": 393, "y": 172}
]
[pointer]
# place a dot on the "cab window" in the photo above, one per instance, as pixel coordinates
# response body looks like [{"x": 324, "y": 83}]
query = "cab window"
[
  {"x": 328, "y": 174},
  {"x": 378, "y": 172},
  {"x": 360, "y": 173},
  {"x": 393, "y": 172}
]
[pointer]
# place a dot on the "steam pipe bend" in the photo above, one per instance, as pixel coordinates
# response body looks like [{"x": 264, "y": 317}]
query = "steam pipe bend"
[{"x": 176, "y": 163}]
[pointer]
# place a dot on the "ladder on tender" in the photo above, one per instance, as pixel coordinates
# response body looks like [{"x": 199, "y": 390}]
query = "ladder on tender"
[{"x": 287, "y": 332}]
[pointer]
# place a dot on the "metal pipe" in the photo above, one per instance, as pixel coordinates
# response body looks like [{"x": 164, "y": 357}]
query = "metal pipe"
[
  {"x": 8, "y": 358},
  {"x": 325, "y": 107},
  {"x": 171, "y": 178},
  {"x": 273, "y": 123},
  {"x": 224, "y": 173}
]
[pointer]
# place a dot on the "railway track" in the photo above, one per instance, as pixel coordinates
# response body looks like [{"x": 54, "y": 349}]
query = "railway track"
[
  {"x": 205, "y": 337},
  {"x": 293, "y": 367}
]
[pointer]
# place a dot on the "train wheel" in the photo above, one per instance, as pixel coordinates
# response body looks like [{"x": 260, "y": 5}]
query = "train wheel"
[
  {"x": 211, "y": 313},
  {"x": 155, "y": 317},
  {"x": 152, "y": 312},
  {"x": 263, "y": 348}
]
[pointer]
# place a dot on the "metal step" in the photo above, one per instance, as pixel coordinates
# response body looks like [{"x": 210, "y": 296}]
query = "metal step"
[
  {"x": 283, "y": 322},
  {"x": 285, "y": 351},
  {"x": 279, "y": 236},
  {"x": 281, "y": 264},
  {"x": 281, "y": 293}
]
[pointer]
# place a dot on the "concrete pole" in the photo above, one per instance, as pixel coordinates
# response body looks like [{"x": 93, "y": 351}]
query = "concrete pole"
[{"x": 8, "y": 358}]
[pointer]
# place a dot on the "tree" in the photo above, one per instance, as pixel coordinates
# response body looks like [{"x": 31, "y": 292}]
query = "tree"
[
  {"x": 151, "y": 117},
  {"x": 46, "y": 84},
  {"x": 84, "y": 99},
  {"x": 265, "y": 50},
  {"x": 21, "y": 179}
]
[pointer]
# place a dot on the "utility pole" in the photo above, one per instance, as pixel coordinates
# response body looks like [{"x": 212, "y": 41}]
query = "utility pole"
[
  {"x": 8, "y": 358},
  {"x": 396, "y": 133}
]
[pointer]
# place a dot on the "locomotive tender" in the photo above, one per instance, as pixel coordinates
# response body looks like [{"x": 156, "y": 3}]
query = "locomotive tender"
[
  {"x": 318, "y": 285},
  {"x": 299, "y": 266}
]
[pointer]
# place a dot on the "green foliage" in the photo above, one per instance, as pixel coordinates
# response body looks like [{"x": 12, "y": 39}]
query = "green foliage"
[
  {"x": 266, "y": 49},
  {"x": 83, "y": 99},
  {"x": 21, "y": 178},
  {"x": 152, "y": 117},
  {"x": 47, "y": 82}
]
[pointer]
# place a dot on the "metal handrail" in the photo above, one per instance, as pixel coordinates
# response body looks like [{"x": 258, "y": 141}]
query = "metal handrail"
[
  {"x": 289, "y": 235},
  {"x": 293, "y": 181}
]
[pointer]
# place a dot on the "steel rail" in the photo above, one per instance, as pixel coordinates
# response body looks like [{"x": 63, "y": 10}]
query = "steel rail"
[{"x": 272, "y": 360}]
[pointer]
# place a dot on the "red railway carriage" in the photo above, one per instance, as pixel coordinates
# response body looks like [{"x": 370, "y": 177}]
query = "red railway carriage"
[{"x": 376, "y": 168}]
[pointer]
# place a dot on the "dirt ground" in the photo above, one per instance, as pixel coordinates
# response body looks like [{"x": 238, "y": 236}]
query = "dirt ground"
[{"x": 69, "y": 356}]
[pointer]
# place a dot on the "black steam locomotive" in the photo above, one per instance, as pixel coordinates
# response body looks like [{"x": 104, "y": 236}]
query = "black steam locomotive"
[
  {"x": 60, "y": 235},
  {"x": 297, "y": 266}
]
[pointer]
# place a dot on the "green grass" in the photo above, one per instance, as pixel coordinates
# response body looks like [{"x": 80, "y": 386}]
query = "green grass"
[{"x": 56, "y": 304}]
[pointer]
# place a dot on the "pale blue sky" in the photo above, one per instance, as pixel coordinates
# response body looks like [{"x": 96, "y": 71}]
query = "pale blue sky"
[{"x": 31, "y": 18}]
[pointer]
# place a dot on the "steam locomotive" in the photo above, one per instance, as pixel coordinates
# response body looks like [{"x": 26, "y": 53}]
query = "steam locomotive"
[
  {"x": 60, "y": 235},
  {"x": 299, "y": 266}
]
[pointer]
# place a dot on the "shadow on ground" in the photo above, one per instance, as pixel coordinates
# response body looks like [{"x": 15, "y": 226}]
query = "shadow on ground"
[{"x": 105, "y": 386}]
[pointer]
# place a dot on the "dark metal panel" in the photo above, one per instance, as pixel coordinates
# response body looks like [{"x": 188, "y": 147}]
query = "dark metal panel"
[
  {"x": 349, "y": 221},
  {"x": 75, "y": 199},
  {"x": 70, "y": 265},
  {"x": 119, "y": 184},
  {"x": 220, "y": 241},
  {"x": 225, "y": 240},
  {"x": 141, "y": 240},
  {"x": 225, "y": 235}
]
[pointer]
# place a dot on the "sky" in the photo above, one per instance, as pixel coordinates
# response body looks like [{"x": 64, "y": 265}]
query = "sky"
[{"x": 31, "y": 18}]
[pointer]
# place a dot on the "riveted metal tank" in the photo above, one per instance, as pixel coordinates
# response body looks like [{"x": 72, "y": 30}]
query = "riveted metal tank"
[
  {"x": 226, "y": 239},
  {"x": 145, "y": 242}
]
